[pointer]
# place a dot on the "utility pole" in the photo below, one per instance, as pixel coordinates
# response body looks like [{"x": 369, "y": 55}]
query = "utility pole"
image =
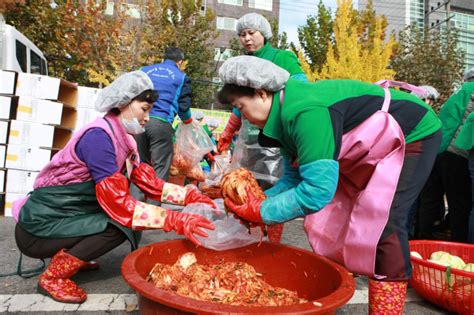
[{"x": 446, "y": 4}]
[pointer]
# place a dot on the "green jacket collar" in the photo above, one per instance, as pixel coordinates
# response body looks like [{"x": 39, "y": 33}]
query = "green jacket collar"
[{"x": 266, "y": 52}]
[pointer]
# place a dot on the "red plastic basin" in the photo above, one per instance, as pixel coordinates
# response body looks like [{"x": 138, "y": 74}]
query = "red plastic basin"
[{"x": 315, "y": 278}]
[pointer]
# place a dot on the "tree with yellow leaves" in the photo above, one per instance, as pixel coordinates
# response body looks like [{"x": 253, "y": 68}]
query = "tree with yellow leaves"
[{"x": 354, "y": 55}]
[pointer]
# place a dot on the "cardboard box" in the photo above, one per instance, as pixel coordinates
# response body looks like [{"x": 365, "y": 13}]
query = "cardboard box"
[
  {"x": 85, "y": 116},
  {"x": 48, "y": 88},
  {"x": 31, "y": 134},
  {"x": 3, "y": 131},
  {"x": 26, "y": 158},
  {"x": 8, "y": 106},
  {"x": 19, "y": 181},
  {"x": 40, "y": 111},
  {"x": 38, "y": 135},
  {"x": 86, "y": 97},
  {"x": 3, "y": 154},
  {"x": 9, "y": 199},
  {"x": 7, "y": 82}
]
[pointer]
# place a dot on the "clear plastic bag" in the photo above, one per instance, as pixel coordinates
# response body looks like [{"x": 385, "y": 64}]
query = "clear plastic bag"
[
  {"x": 193, "y": 140},
  {"x": 219, "y": 168},
  {"x": 191, "y": 144},
  {"x": 266, "y": 164},
  {"x": 229, "y": 233}
]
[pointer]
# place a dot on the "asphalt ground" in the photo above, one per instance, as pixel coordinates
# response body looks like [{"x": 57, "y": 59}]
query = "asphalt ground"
[{"x": 109, "y": 294}]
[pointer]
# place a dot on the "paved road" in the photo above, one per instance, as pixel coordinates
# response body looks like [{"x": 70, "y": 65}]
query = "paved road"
[{"x": 108, "y": 293}]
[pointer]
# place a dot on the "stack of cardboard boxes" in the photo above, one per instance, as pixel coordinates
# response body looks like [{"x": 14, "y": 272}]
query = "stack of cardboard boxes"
[
  {"x": 7, "y": 103},
  {"x": 38, "y": 115},
  {"x": 42, "y": 117}
]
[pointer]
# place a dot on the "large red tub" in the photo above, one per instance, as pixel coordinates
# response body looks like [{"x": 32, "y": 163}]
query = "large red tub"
[{"x": 324, "y": 283}]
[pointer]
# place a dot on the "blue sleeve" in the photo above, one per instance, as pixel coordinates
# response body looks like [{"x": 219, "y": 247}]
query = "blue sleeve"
[
  {"x": 236, "y": 112},
  {"x": 184, "y": 100},
  {"x": 291, "y": 177},
  {"x": 300, "y": 77},
  {"x": 96, "y": 149},
  {"x": 317, "y": 188}
]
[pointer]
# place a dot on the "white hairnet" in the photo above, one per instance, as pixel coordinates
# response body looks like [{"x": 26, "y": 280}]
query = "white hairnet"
[
  {"x": 198, "y": 115},
  {"x": 430, "y": 92},
  {"x": 256, "y": 22},
  {"x": 253, "y": 72},
  {"x": 212, "y": 123},
  {"x": 121, "y": 92},
  {"x": 469, "y": 75}
]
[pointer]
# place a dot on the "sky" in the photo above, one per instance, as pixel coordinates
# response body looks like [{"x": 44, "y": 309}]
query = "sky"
[{"x": 294, "y": 14}]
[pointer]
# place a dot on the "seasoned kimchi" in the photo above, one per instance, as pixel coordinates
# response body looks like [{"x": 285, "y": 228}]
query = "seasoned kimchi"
[
  {"x": 234, "y": 184},
  {"x": 234, "y": 283}
]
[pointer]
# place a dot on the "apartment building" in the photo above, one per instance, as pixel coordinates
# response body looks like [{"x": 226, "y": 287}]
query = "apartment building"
[{"x": 432, "y": 14}]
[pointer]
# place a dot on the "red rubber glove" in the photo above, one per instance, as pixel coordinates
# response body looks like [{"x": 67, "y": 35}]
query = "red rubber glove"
[
  {"x": 210, "y": 156},
  {"x": 113, "y": 196},
  {"x": 193, "y": 196},
  {"x": 232, "y": 126},
  {"x": 249, "y": 211},
  {"x": 187, "y": 224},
  {"x": 144, "y": 177}
]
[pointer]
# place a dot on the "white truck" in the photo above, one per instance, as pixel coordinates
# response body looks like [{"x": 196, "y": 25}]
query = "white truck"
[{"x": 18, "y": 53}]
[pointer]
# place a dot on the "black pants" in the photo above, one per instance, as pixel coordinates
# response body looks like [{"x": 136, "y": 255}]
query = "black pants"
[
  {"x": 450, "y": 176},
  {"x": 84, "y": 247},
  {"x": 155, "y": 146},
  {"x": 393, "y": 254}
]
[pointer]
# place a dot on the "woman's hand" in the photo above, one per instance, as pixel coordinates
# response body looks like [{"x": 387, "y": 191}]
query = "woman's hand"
[
  {"x": 249, "y": 211},
  {"x": 187, "y": 224},
  {"x": 192, "y": 196}
]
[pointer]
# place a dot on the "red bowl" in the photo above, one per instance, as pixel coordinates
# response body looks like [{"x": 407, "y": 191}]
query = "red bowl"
[{"x": 314, "y": 277}]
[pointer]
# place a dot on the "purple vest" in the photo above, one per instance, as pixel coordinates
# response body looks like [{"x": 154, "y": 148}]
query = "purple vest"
[{"x": 66, "y": 168}]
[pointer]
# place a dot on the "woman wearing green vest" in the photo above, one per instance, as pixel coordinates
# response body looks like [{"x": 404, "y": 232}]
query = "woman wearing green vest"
[
  {"x": 450, "y": 174},
  {"x": 356, "y": 157},
  {"x": 465, "y": 139},
  {"x": 254, "y": 32}
]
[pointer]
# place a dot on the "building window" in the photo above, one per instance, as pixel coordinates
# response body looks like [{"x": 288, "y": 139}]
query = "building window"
[
  {"x": 226, "y": 23},
  {"x": 261, "y": 4},
  {"x": 464, "y": 24},
  {"x": 130, "y": 9},
  {"x": 109, "y": 10},
  {"x": 224, "y": 55},
  {"x": 416, "y": 12},
  {"x": 231, "y": 2}
]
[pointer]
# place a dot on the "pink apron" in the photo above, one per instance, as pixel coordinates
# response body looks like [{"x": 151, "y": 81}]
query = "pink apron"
[{"x": 348, "y": 229}]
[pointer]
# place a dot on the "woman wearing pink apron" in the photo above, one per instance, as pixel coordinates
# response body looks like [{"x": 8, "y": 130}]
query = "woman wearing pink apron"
[{"x": 356, "y": 156}]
